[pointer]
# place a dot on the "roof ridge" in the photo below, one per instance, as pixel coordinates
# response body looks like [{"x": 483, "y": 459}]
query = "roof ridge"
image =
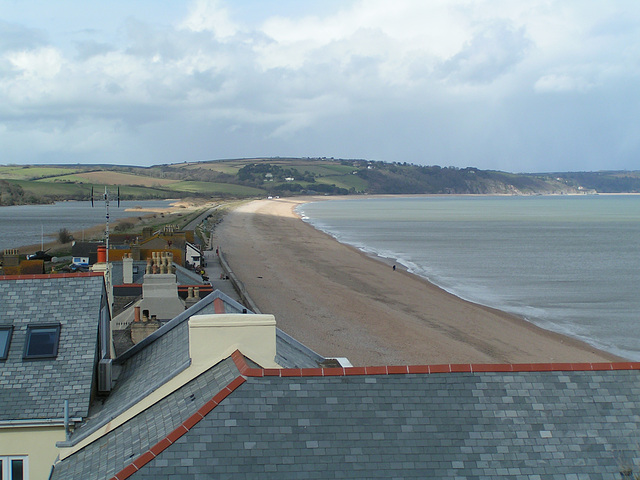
[
  {"x": 38, "y": 276},
  {"x": 183, "y": 428},
  {"x": 247, "y": 371}
]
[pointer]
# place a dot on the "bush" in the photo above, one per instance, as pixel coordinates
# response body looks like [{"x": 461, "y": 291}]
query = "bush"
[
  {"x": 64, "y": 236},
  {"x": 123, "y": 226}
]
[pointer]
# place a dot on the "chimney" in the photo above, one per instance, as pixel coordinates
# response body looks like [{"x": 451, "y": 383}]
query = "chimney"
[
  {"x": 191, "y": 298},
  {"x": 222, "y": 334},
  {"x": 11, "y": 257},
  {"x": 136, "y": 313},
  {"x": 127, "y": 269},
  {"x": 102, "y": 254}
]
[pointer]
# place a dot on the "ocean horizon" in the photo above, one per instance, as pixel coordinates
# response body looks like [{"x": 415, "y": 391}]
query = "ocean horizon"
[{"x": 569, "y": 264}]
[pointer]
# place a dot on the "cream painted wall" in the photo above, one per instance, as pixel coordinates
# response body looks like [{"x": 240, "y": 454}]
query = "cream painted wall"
[{"x": 38, "y": 443}]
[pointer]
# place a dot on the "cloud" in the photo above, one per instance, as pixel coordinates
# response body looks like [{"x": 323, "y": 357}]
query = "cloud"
[
  {"x": 451, "y": 82},
  {"x": 561, "y": 83},
  {"x": 494, "y": 50},
  {"x": 210, "y": 16}
]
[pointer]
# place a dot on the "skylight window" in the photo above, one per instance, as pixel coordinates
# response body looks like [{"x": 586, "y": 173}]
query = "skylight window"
[
  {"x": 5, "y": 339},
  {"x": 42, "y": 341}
]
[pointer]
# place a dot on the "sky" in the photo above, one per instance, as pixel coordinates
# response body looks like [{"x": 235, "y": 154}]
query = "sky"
[{"x": 511, "y": 85}]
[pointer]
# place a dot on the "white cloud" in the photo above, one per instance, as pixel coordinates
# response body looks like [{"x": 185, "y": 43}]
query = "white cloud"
[
  {"x": 561, "y": 83},
  {"x": 409, "y": 78},
  {"x": 211, "y": 16}
]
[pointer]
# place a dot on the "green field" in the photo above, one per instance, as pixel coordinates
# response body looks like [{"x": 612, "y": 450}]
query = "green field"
[
  {"x": 77, "y": 190},
  {"x": 213, "y": 188},
  {"x": 29, "y": 172},
  {"x": 345, "y": 181}
]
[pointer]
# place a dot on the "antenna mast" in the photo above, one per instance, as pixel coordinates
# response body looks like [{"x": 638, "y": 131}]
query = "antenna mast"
[{"x": 106, "y": 204}]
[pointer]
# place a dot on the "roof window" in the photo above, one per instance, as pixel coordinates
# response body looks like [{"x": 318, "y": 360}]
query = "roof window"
[
  {"x": 42, "y": 341},
  {"x": 5, "y": 340}
]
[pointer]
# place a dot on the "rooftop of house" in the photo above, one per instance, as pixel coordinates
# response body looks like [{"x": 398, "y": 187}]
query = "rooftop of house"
[
  {"x": 51, "y": 324},
  {"x": 184, "y": 276},
  {"x": 183, "y": 406},
  {"x": 164, "y": 354},
  {"x": 445, "y": 421}
]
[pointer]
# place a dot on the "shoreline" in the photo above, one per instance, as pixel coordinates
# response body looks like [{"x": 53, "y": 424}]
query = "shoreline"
[
  {"x": 327, "y": 299},
  {"x": 139, "y": 216}
]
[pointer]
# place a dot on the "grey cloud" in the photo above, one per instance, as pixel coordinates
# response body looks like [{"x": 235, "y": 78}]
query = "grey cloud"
[
  {"x": 88, "y": 49},
  {"x": 17, "y": 37},
  {"x": 492, "y": 52}
]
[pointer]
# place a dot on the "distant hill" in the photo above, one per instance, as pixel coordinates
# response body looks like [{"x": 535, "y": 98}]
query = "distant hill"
[{"x": 255, "y": 177}]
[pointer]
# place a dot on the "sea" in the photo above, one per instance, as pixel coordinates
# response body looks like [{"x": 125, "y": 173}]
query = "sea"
[
  {"x": 22, "y": 225},
  {"x": 570, "y": 264}
]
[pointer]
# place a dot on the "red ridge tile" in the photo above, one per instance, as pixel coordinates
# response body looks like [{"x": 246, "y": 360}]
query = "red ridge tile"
[
  {"x": 126, "y": 472},
  {"x": 493, "y": 367},
  {"x": 207, "y": 407},
  {"x": 391, "y": 370},
  {"x": 253, "y": 372},
  {"x": 561, "y": 367},
  {"x": 192, "y": 421},
  {"x": 50, "y": 275},
  {"x": 235, "y": 383},
  {"x": 291, "y": 372},
  {"x": 312, "y": 372},
  {"x": 460, "y": 367},
  {"x": 218, "y": 306},
  {"x": 271, "y": 372},
  {"x": 601, "y": 366},
  {"x": 355, "y": 371},
  {"x": 176, "y": 434},
  {"x": 160, "y": 447},
  {"x": 544, "y": 367},
  {"x": 143, "y": 459},
  {"x": 580, "y": 367},
  {"x": 333, "y": 372},
  {"x": 439, "y": 368},
  {"x": 418, "y": 368},
  {"x": 376, "y": 370},
  {"x": 220, "y": 396}
]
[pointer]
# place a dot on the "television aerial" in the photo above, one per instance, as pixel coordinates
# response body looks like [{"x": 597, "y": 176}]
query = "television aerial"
[{"x": 107, "y": 197}]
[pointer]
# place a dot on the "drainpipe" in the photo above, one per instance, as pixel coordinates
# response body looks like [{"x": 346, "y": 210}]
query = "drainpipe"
[{"x": 66, "y": 419}]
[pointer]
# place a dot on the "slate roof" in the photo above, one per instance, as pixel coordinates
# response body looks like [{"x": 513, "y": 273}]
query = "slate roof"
[
  {"x": 438, "y": 422},
  {"x": 165, "y": 353},
  {"x": 36, "y": 389},
  {"x": 113, "y": 452}
]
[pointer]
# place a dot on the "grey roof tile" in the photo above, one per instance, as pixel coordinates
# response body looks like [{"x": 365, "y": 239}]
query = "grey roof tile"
[
  {"x": 36, "y": 389},
  {"x": 425, "y": 438},
  {"x": 111, "y": 453}
]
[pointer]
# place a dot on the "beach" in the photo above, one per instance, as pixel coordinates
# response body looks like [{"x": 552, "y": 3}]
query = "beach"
[{"x": 342, "y": 303}]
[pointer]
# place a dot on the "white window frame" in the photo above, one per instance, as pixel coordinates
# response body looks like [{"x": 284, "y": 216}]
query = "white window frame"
[{"x": 6, "y": 466}]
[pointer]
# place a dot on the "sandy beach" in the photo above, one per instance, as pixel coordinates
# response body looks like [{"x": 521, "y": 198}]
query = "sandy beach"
[{"x": 342, "y": 303}]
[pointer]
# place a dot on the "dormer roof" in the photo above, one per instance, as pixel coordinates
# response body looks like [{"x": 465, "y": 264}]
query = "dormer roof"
[{"x": 34, "y": 388}]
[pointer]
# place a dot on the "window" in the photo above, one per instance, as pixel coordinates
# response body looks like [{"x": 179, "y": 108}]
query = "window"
[
  {"x": 14, "y": 468},
  {"x": 42, "y": 341},
  {"x": 5, "y": 340}
]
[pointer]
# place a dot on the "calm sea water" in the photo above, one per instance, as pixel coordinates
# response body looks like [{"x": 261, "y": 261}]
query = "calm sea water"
[
  {"x": 568, "y": 264},
  {"x": 23, "y": 224}
]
